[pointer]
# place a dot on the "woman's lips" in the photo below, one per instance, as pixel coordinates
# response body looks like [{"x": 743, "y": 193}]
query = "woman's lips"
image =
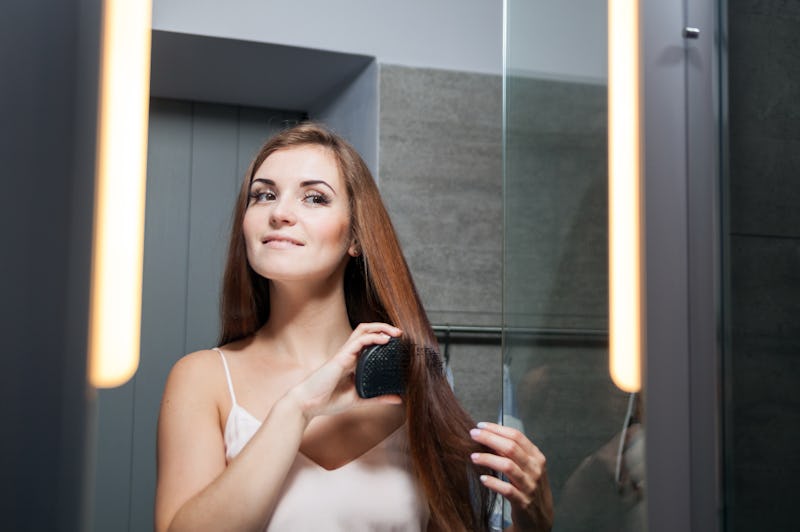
[{"x": 281, "y": 242}]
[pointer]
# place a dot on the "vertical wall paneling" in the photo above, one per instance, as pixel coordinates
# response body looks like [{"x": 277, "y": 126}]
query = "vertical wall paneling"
[
  {"x": 164, "y": 290},
  {"x": 214, "y": 167}
]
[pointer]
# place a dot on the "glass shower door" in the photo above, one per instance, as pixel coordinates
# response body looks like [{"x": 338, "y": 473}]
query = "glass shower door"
[{"x": 555, "y": 295}]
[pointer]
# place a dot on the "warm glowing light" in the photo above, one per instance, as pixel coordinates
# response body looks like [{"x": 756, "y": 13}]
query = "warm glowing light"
[
  {"x": 624, "y": 171},
  {"x": 116, "y": 290}
]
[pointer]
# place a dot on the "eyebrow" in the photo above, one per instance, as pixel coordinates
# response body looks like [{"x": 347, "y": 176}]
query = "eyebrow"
[{"x": 307, "y": 183}]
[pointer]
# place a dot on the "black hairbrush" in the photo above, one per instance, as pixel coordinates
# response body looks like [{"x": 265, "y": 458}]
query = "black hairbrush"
[{"x": 382, "y": 368}]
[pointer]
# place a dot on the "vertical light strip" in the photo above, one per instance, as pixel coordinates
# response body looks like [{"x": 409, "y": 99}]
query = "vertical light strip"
[
  {"x": 116, "y": 285},
  {"x": 624, "y": 176}
]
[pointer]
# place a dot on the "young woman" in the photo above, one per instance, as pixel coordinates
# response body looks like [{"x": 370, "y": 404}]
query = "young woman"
[{"x": 267, "y": 431}]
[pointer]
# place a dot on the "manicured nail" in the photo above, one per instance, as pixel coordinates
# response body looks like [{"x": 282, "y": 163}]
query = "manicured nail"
[
  {"x": 474, "y": 432},
  {"x": 484, "y": 478},
  {"x": 483, "y": 425},
  {"x": 474, "y": 456}
]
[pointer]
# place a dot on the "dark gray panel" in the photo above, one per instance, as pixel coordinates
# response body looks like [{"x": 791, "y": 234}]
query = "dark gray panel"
[
  {"x": 764, "y": 118},
  {"x": 765, "y": 286},
  {"x": 766, "y": 93},
  {"x": 213, "y": 192},
  {"x": 766, "y": 472},
  {"x": 766, "y": 369},
  {"x": 46, "y": 155},
  {"x": 763, "y": 362},
  {"x": 764, "y": 184},
  {"x": 164, "y": 289}
]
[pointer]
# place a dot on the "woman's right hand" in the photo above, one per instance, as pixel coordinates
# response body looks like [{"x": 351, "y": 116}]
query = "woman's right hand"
[{"x": 331, "y": 388}]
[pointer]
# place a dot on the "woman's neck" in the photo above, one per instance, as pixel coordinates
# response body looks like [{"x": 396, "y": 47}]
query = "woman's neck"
[{"x": 307, "y": 323}]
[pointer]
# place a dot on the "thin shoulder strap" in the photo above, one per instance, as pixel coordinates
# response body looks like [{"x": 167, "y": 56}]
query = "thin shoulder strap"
[{"x": 227, "y": 374}]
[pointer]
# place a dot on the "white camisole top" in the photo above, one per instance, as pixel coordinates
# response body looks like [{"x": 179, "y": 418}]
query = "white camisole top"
[{"x": 375, "y": 492}]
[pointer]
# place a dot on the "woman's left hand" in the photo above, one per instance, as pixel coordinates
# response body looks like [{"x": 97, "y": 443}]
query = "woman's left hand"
[{"x": 523, "y": 464}]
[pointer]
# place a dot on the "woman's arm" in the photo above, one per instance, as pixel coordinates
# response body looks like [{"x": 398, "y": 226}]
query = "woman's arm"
[
  {"x": 523, "y": 464},
  {"x": 196, "y": 491}
]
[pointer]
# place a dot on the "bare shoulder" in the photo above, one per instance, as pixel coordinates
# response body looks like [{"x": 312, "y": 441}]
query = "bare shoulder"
[
  {"x": 197, "y": 364},
  {"x": 197, "y": 375}
]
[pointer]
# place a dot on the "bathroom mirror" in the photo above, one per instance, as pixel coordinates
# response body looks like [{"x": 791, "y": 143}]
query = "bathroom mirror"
[
  {"x": 432, "y": 137},
  {"x": 496, "y": 184}
]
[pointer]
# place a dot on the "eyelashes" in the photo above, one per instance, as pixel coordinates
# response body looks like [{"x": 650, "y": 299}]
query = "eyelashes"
[
  {"x": 261, "y": 197},
  {"x": 316, "y": 198},
  {"x": 309, "y": 198}
]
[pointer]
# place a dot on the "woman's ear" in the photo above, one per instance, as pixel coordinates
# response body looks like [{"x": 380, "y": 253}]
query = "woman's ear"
[{"x": 354, "y": 250}]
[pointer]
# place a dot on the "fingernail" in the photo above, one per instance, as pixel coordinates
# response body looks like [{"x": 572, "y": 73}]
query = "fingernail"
[
  {"x": 474, "y": 432},
  {"x": 474, "y": 456},
  {"x": 483, "y": 425},
  {"x": 484, "y": 478}
]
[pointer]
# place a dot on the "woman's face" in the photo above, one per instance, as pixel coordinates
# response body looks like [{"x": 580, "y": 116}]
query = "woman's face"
[{"x": 297, "y": 223}]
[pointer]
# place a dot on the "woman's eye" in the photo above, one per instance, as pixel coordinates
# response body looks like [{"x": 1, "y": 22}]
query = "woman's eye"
[
  {"x": 261, "y": 197},
  {"x": 315, "y": 198}
]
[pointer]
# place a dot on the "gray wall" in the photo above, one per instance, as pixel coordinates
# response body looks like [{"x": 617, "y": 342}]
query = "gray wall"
[{"x": 764, "y": 249}]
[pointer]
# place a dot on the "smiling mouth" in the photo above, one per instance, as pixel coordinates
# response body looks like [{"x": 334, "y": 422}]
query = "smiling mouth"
[{"x": 281, "y": 243}]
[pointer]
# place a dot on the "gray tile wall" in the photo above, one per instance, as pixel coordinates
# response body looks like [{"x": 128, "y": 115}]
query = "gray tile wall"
[
  {"x": 441, "y": 178},
  {"x": 764, "y": 188},
  {"x": 556, "y": 256}
]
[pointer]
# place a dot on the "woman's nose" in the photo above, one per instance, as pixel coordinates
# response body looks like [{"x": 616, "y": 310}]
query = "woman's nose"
[{"x": 282, "y": 213}]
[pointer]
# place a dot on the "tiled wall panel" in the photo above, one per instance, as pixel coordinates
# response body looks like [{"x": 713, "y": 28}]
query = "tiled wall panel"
[{"x": 764, "y": 108}]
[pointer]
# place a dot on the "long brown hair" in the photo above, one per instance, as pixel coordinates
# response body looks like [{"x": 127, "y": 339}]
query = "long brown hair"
[{"x": 378, "y": 287}]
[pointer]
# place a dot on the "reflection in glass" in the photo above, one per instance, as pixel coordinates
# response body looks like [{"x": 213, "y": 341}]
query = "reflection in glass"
[{"x": 555, "y": 295}]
